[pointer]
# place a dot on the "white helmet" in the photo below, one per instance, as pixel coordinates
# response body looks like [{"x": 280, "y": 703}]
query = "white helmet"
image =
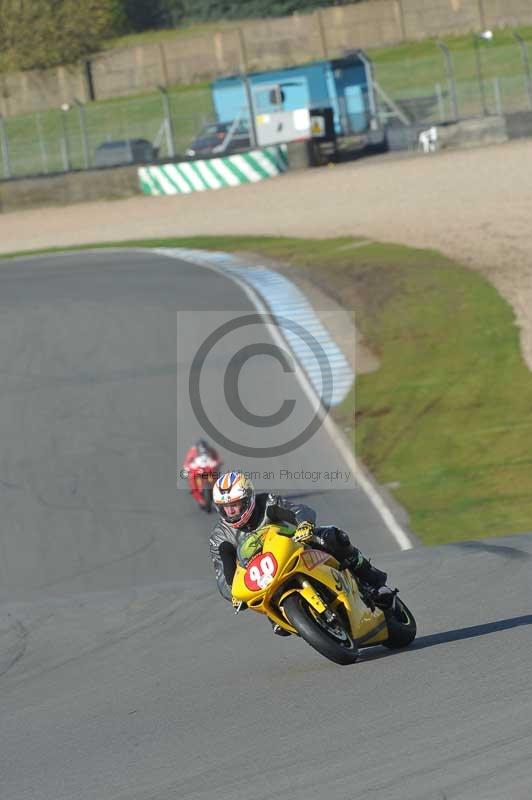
[{"x": 234, "y": 497}]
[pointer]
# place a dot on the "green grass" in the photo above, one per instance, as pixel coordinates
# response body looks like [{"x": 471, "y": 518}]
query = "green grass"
[{"x": 447, "y": 417}]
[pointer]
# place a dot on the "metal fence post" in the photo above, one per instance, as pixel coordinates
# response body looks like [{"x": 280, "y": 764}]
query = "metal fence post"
[
  {"x": 169, "y": 127},
  {"x": 42, "y": 143},
  {"x": 498, "y": 96},
  {"x": 84, "y": 135},
  {"x": 370, "y": 81},
  {"x": 485, "y": 36},
  {"x": 480, "y": 76},
  {"x": 251, "y": 111},
  {"x": 65, "y": 108},
  {"x": 450, "y": 76},
  {"x": 526, "y": 63},
  {"x": 4, "y": 147},
  {"x": 441, "y": 104}
]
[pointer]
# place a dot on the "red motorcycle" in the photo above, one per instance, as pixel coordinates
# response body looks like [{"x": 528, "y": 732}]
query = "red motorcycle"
[{"x": 203, "y": 473}]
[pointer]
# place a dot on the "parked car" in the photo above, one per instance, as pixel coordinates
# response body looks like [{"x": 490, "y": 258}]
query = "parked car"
[
  {"x": 219, "y": 137},
  {"x": 125, "y": 151}
]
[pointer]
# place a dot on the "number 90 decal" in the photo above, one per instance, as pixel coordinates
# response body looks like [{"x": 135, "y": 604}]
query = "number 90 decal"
[{"x": 260, "y": 572}]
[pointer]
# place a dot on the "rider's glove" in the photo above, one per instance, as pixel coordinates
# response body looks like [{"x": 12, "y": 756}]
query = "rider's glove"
[{"x": 304, "y": 532}]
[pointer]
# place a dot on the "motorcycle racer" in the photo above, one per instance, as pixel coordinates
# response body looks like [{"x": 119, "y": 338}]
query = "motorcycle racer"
[
  {"x": 202, "y": 462},
  {"x": 242, "y": 511}
]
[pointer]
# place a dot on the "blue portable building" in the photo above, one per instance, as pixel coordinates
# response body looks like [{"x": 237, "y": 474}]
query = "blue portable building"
[{"x": 341, "y": 84}]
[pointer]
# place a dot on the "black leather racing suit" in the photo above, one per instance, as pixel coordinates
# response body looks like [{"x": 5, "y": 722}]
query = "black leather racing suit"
[{"x": 272, "y": 508}]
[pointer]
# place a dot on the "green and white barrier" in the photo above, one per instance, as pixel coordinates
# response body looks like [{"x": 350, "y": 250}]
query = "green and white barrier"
[{"x": 214, "y": 173}]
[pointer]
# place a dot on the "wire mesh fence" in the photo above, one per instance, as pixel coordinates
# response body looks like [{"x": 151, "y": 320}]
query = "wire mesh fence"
[
  {"x": 79, "y": 136},
  {"x": 471, "y": 82},
  {"x": 444, "y": 102}
]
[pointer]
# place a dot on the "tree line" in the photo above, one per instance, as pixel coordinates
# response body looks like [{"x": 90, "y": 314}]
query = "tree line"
[
  {"x": 169, "y": 13},
  {"x": 35, "y": 34}
]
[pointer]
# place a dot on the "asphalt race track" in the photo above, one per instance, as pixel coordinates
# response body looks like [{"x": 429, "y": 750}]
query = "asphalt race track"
[{"x": 123, "y": 674}]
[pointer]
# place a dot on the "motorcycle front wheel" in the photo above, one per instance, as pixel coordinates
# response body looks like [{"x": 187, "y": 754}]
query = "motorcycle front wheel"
[
  {"x": 331, "y": 639},
  {"x": 207, "y": 498}
]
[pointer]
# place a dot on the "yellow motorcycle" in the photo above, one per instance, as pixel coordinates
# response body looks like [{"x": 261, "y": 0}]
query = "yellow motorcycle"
[{"x": 303, "y": 590}]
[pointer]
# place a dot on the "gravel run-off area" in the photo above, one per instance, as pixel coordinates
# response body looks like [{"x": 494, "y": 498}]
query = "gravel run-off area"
[{"x": 473, "y": 205}]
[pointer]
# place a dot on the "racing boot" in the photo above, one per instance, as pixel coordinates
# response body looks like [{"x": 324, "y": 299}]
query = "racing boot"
[
  {"x": 278, "y": 630},
  {"x": 383, "y": 597},
  {"x": 374, "y": 578}
]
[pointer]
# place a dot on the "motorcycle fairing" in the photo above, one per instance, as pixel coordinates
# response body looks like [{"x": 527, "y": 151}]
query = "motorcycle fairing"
[{"x": 303, "y": 571}]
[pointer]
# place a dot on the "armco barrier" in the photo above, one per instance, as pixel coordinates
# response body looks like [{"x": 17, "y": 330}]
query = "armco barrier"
[{"x": 214, "y": 173}]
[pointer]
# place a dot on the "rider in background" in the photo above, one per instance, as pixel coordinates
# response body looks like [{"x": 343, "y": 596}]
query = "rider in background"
[
  {"x": 200, "y": 458},
  {"x": 242, "y": 511}
]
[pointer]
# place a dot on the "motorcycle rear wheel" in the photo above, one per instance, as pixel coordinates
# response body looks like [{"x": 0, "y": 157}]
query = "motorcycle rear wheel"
[
  {"x": 332, "y": 641},
  {"x": 402, "y": 626}
]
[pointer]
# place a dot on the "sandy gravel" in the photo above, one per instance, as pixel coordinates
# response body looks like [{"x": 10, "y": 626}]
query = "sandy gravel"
[{"x": 474, "y": 205}]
